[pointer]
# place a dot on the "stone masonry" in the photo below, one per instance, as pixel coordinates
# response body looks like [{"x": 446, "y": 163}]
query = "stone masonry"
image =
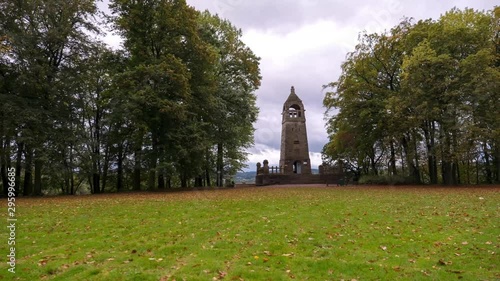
[
  {"x": 295, "y": 165},
  {"x": 294, "y": 158}
]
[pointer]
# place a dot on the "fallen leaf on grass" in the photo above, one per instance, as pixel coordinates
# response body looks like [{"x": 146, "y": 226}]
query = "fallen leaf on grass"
[
  {"x": 443, "y": 262},
  {"x": 455, "y": 271},
  {"x": 221, "y": 275}
]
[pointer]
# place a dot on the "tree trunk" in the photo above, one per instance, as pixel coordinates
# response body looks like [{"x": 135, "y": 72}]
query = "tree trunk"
[
  {"x": 161, "y": 179},
  {"x": 434, "y": 166},
  {"x": 183, "y": 179},
  {"x": 65, "y": 187},
  {"x": 5, "y": 180},
  {"x": 455, "y": 168},
  {"x": 119, "y": 176},
  {"x": 28, "y": 179},
  {"x": 373, "y": 164},
  {"x": 456, "y": 173},
  {"x": 446, "y": 157},
  {"x": 477, "y": 170},
  {"x": 393, "y": 160},
  {"x": 429, "y": 134},
  {"x": 467, "y": 170},
  {"x": 152, "y": 172},
  {"x": 38, "y": 175},
  {"x": 105, "y": 168},
  {"x": 207, "y": 177},
  {"x": 446, "y": 162},
  {"x": 96, "y": 179},
  {"x": 137, "y": 169},
  {"x": 487, "y": 163},
  {"x": 412, "y": 170},
  {"x": 220, "y": 165},
  {"x": 198, "y": 181},
  {"x": 72, "y": 184},
  {"x": 71, "y": 174},
  {"x": 403, "y": 161},
  {"x": 497, "y": 163},
  {"x": 416, "y": 168},
  {"x": 4, "y": 165},
  {"x": 19, "y": 156},
  {"x": 169, "y": 182},
  {"x": 446, "y": 171}
]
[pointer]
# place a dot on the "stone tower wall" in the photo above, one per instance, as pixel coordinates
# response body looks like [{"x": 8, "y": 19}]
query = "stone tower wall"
[{"x": 294, "y": 145}]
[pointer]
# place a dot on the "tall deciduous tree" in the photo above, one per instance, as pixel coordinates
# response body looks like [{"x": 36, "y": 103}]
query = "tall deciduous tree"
[
  {"x": 43, "y": 41},
  {"x": 237, "y": 76},
  {"x": 419, "y": 86}
]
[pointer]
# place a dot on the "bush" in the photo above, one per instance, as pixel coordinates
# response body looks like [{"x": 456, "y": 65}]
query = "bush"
[{"x": 385, "y": 180}]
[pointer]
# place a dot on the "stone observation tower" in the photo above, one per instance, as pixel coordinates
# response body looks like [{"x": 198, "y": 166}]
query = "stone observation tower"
[
  {"x": 295, "y": 165},
  {"x": 294, "y": 158}
]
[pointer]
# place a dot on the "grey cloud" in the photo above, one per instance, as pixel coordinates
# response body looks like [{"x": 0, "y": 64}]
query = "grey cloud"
[
  {"x": 282, "y": 15},
  {"x": 311, "y": 69}
]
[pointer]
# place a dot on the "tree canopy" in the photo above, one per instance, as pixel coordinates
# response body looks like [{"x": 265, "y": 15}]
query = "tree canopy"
[
  {"x": 175, "y": 106},
  {"x": 419, "y": 103}
]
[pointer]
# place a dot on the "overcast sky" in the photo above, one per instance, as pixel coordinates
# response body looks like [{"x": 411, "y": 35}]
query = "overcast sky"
[{"x": 303, "y": 43}]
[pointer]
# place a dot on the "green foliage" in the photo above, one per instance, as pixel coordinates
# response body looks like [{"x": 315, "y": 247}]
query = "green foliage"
[
  {"x": 75, "y": 114},
  {"x": 417, "y": 94},
  {"x": 43, "y": 53},
  {"x": 237, "y": 76}
]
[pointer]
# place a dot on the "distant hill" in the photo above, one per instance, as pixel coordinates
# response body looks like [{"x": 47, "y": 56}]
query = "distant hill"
[
  {"x": 245, "y": 177},
  {"x": 249, "y": 177}
]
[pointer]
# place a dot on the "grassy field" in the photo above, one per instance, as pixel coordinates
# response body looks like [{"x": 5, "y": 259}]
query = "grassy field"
[{"x": 269, "y": 233}]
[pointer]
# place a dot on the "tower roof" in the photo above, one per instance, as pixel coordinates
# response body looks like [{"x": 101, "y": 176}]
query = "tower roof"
[{"x": 292, "y": 97}]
